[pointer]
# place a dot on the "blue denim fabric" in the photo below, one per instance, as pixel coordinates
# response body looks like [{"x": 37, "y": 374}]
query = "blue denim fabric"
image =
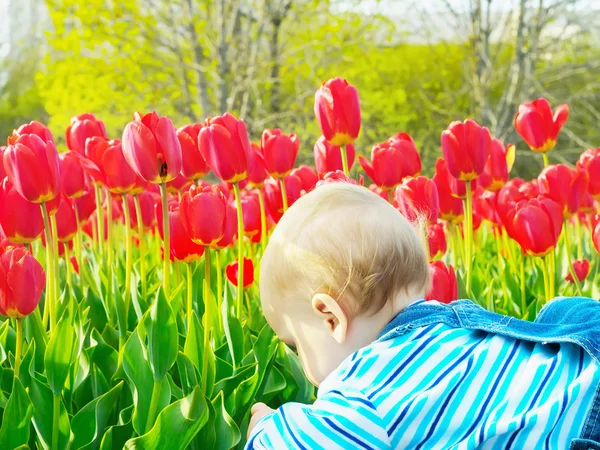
[{"x": 564, "y": 319}]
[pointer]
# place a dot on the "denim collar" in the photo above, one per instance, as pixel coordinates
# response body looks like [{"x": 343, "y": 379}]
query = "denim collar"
[{"x": 396, "y": 321}]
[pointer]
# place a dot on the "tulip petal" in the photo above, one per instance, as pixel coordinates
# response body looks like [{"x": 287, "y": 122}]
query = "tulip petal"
[
  {"x": 140, "y": 151},
  {"x": 364, "y": 162}
]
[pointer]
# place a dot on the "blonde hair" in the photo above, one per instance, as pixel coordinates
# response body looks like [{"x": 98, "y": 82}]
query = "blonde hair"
[{"x": 348, "y": 242}]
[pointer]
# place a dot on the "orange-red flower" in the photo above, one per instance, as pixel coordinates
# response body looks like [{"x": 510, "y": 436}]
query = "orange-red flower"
[
  {"x": 328, "y": 158},
  {"x": 179, "y": 184},
  {"x": 537, "y": 126},
  {"x": 22, "y": 280},
  {"x": 182, "y": 247},
  {"x": 193, "y": 165},
  {"x": 581, "y": 269},
  {"x": 273, "y": 198},
  {"x": 444, "y": 287},
  {"x": 86, "y": 204},
  {"x": 231, "y": 233},
  {"x": 498, "y": 166},
  {"x": 466, "y": 147},
  {"x": 565, "y": 186},
  {"x": 151, "y": 147},
  {"x": 436, "y": 239},
  {"x": 308, "y": 177},
  {"x": 72, "y": 175},
  {"x": 224, "y": 145},
  {"x": 66, "y": 223},
  {"x": 257, "y": 173},
  {"x": 280, "y": 151},
  {"x": 232, "y": 273},
  {"x": 251, "y": 213},
  {"x": 590, "y": 161},
  {"x": 36, "y": 128},
  {"x": 32, "y": 166},
  {"x": 2, "y": 171},
  {"x": 120, "y": 177},
  {"x": 337, "y": 110},
  {"x": 392, "y": 161},
  {"x": 418, "y": 198},
  {"x": 203, "y": 214},
  {"x": 20, "y": 220},
  {"x": 82, "y": 127}
]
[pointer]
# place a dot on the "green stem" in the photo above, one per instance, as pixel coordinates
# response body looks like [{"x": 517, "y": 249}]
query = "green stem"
[
  {"x": 50, "y": 296},
  {"x": 219, "y": 287},
  {"x": 263, "y": 220},
  {"x": 545, "y": 270},
  {"x": 522, "y": 281},
  {"x": 142, "y": 240},
  {"x": 240, "y": 218},
  {"x": 55, "y": 420},
  {"x": 190, "y": 294},
  {"x": 128, "y": 267},
  {"x": 55, "y": 258},
  {"x": 344, "y": 160},
  {"x": 153, "y": 405},
  {"x": 552, "y": 267},
  {"x": 390, "y": 193},
  {"x": 546, "y": 162},
  {"x": 166, "y": 240},
  {"x": 78, "y": 245},
  {"x": 207, "y": 317},
  {"x": 19, "y": 345},
  {"x": 100, "y": 217},
  {"x": 283, "y": 195},
  {"x": 579, "y": 237},
  {"x": 468, "y": 236},
  {"x": 68, "y": 265},
  {"x": 109, "y": 251},
  {"x": 569, "y": 261}
]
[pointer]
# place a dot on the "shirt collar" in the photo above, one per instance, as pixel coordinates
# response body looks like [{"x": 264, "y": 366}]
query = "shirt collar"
[{"x": 396, "y": 320}]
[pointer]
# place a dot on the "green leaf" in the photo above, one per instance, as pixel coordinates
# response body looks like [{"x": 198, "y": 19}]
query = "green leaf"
[
  {"x": 187, "y": 373},
  {"x": 16, "y": 420},
  {"x": 194, "y": 349},
  {"x": 176, "y": 425},
  {"x": 235, "y": 338},
  {"x": 117, "y": 435},
  {"x": 275, "y": 383},
  {"x": 161, "y": 330},
  {"x": 42, "y": 399},
  {"x": 59, "y": 354},
  {"x": 141, "y": 381},
  {"x": 226, "y": 430},
  {"x": 89, "y": 423},
  {"x": 228, "y": 385},
  {"x": 3, "y": 336}
]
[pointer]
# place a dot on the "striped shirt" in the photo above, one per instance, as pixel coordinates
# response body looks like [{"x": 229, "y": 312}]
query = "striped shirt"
[{"x": 439, "y": 387}]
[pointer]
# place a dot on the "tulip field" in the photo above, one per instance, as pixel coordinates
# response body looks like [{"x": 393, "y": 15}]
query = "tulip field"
[{"x": 130, "y": 265}]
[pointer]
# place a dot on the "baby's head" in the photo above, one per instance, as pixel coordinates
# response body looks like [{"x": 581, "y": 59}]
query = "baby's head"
[{"x": 341, "y": 263}]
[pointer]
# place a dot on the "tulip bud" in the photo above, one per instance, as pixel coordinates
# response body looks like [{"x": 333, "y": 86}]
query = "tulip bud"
[
  {"x": 193, "y": 166},
  {"x": 36, "y": 128},
  {"x": 33, "y": 168},
  {"x": 251, "y": 213},
  {"x": 436, "y": 238},
  {"x": 72, "y": 175},
  {"x": 231, "y": 232},
  {"x": 20, "y": 220},
  {"x": 308, "y": 177},
  {"x": 328, "y": 158},
  {"x": 565, "y": 186},
  {"x": 148, "y": 201},
  {"x": 280, "y": 152},
  {"x": 590, "y": 161},
  {"x": 274, "y": 199},
  {"x": 203, "y": 214},
  {"x": 498, "y": 166},
  {"x": 596, "y": 237},
  {"x": 338, "y": 177},
  {"x": 224, "y": 145},
  {"x": 451, "y": 207},
  {"x": 182, "y": 247},
  {"x": 337, "y": 110},
  {"x": 418, "y": 197},
  {"x": 581, "y": 269},
  {"x": 466, "y": 147},
  {"x": 444, "y": 287},
  {"x": 232, "y": 273},
  {"x": 22, "y": 280},
  {"x": 151, "y": 148},
  {"x": 66, "y": 224},
  {"x": 2, "y": 171},
  {"x": 179, "y": 184},
  {"x": 257, "y": 173},
  {"x": 120, "y": 177},
  {"x": 392, "y": 161},
  {"x": 82, "y": 127},
  {"x": 86, "y": 204},
  {"x": 537, "y": 126}
]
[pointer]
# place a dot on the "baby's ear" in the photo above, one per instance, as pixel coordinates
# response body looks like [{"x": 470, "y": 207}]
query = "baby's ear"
[{"x": 333, "y": 315}]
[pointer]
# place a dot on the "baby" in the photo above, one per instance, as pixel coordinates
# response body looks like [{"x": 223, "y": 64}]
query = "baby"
[{"x": 342, "y": 280}]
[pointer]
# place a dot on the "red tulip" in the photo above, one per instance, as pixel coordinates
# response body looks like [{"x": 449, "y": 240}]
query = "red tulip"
[
  {"x": 203, "y": 214},
  {"x": 66, "y": 224},
  {"x": 392, "y": 161},
  {"x": 466, "y": 147},
  {"x": 37, "y": 128},
  {"x": 2, "y": 171},
  {"x": 148, "y": 201},
  {"x": 151, "y": 148},
  {"x": 182, "y": 247},
  {"x": 280, "y": 151},
  {"x": 33, "y": 168},
  {"x": 376, "y": 189},
  {"x": 95, "y": 147},
  {"x": 596, "y": 238},
  {"x": 328, "y": 158},
  {"x": 61, "y": 245},
  {"x": 179, "y": 184},
  {"x": 20, "y": 220},
  {"x": 581, "y": 269},
  {"x": 537, "y": 126},
  {"x": 224, "y": 145},
  {"x": 451, "y": 207},
  {"x": 22, "y": 280},
  {"x": 82, "y": 127},
  {"x": 536, "y": 225},
  {"x": 72, "y": 175},
  {"x": 590, "y": 161},
  {"x": 588, "y": 204},
  {"x": 486, "y": 203},
  {"x": 530, "y": 188},
  {"x": 273, "y": 198},
  {"x": 436, "y": 238},
  {"x": 565, "y": 186},
  {"x": 257, "y": 174},
  {"x": 232, "y": 273},
  {"x": 497, "y": 167},
  {"x": 193, "y": 165},
  {"x": 338, "y": 177},
  {"x": 418, "y": 197},
  {"x": 444, "y": 287},
  {"x": 86, "y": 204},
  {"x": 507, "y": 199},
  {"x": 230, "y": 236},
  {"x": 308, "y": 177},
  {"x": 458, "y": 188},
  {"x": 119, "y": 176},
  {"x": 251, "y": 213},
  {"x": 337, "y": 110}
]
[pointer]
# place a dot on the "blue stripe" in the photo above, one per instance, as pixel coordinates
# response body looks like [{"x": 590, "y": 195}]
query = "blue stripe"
[
  {"x": 356, "y": 399},
  {"x": 565, "y": 402},
  {"x": 293, "y": 436},
  {"x": 346, "y": 434}
]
